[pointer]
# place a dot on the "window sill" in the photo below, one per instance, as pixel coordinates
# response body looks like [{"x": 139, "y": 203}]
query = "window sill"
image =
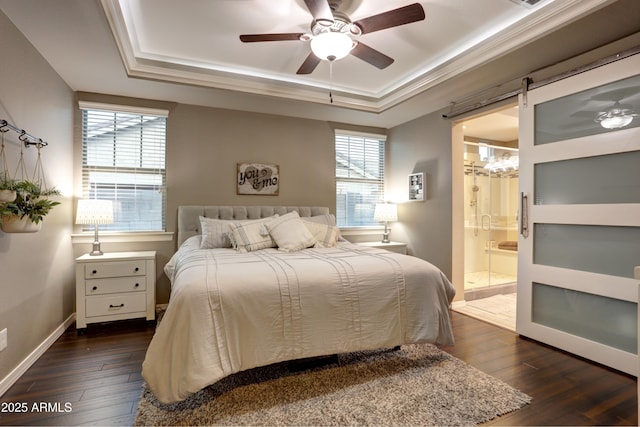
[{"x": 132, "y": 237}]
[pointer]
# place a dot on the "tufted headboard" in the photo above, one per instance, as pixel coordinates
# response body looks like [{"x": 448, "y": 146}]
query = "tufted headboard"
[{"x": 189, "y": 222}]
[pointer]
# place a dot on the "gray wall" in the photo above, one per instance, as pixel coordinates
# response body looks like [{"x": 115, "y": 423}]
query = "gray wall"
[
  {"x": 36, "y": 270},
  {"x": 422, "y": 145}
]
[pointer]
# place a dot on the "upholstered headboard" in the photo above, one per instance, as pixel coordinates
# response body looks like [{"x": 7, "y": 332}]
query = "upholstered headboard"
[{"x": 189, "y": 222}]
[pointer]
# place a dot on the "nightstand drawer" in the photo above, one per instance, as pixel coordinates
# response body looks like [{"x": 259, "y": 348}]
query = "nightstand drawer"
[
  {"x": 105, "y": 305},
  {"x": 96, "y": 270},
  {"x": 115, "y": 285}
]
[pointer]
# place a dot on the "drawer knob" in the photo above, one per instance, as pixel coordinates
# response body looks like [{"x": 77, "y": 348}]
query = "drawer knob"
[
  {"x": 116, "y": 306},
  {"x": 137, "y": 269},
  {"x": 137, "y": 284},
  {"x": 95, "y": 288},
  {"x": 94, "y": 271}
]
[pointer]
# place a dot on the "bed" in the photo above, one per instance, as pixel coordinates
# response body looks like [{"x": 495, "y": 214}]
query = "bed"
[{"x": 234, "y": 306}]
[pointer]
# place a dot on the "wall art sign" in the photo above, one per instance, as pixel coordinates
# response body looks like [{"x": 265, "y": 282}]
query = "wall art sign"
[
  {"x": 416, "y": 187},
  {"x": 258, "y": 179}
]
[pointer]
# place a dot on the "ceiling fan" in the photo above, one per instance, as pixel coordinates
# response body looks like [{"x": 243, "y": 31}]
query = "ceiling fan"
[
  {"x": 615, "y": 114},
  {"x": 333, "y": 35}
]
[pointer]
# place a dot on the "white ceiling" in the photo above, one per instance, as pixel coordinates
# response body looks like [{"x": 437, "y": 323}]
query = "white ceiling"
[
  {"x": 204, "y": 36},
  {"x": 189, "y": 51},
  {"x": 501, "y": 125}
]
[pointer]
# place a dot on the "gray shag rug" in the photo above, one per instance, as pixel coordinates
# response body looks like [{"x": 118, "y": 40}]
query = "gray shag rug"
[{"x": 418, "y": 385}]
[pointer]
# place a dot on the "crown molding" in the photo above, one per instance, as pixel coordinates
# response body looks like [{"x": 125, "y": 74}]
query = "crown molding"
[{"x": 141, "y": 65}]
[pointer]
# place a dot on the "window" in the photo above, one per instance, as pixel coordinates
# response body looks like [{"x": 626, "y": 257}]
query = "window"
[
  {"x": 123, "y": 160},
  {"x": 359, "y": 177}
]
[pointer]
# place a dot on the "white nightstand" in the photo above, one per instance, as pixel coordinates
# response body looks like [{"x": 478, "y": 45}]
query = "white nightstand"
[
  {"x": 115, "y": 286},
  {"x": 400, "y": 248}
]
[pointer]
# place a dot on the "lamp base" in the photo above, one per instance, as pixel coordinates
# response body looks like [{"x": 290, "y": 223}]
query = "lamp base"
[
  {"x": 96, "y": 249},
  {"x": 385, "y": 235}
]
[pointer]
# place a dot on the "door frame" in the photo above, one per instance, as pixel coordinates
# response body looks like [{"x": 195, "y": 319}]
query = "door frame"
[{"x": 457, "y": 189}]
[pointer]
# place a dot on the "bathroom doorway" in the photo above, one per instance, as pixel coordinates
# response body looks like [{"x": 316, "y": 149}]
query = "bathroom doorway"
[{"x": 490, "y": 193}]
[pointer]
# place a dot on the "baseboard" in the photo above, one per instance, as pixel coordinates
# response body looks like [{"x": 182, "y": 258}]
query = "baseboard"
[
  {"x": 458, "y": 304},
  {"x": 19, "y": 370}
]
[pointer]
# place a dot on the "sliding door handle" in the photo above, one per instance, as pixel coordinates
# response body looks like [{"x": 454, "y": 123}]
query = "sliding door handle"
[{"x": 524, "y": 215}]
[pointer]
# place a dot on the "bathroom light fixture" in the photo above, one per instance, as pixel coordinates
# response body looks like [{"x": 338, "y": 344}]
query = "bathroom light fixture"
[
  {"x": 93, "y": 211},
  {"x": 504, "y": 163},
  {"x": 386, "y": 212},
  {"x": 616, "y": 117}
]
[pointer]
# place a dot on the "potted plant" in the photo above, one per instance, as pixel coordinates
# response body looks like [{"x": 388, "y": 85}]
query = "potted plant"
[
  {"x": 26, "y": 212},
  {"x": 7, "y": 189}
]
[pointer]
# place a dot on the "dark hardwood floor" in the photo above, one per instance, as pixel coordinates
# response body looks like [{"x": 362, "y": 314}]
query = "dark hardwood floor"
[
  {"x": 96, "y": 375},
  {"x": 96, "y": 379}
]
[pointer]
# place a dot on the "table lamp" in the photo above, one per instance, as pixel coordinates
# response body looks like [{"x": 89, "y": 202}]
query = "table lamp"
[
  {"x": 93, "y": 211},
  {"x": 386, "y": 212}
]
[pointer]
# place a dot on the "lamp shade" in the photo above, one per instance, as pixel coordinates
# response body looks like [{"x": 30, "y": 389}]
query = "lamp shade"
[
  {"x": 93, "y": 211},
  {"x": 331, "y": 45},
  {"x": 386, "y": 212}
]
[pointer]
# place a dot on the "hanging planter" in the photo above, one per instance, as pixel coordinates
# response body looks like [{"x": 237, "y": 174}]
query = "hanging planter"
[
  {"x": 16, "y": 224},
  {"x": 7, "y": 196},
  {"x": 23, "y": 203},
  {"x": 8, "y": 189},
  {"x": 26, "y": 212}
]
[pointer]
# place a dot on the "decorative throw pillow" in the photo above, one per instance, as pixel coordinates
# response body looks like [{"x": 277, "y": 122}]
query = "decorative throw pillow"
[
  {"x": 250, "y": 235},
  {"x": 216, "y": 232},
  {"x": 290, "y": 233},
  {"x": 326, "y": 235}
]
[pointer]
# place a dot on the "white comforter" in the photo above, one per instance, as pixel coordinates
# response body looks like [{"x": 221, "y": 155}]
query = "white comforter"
[{"x": 230, "y": 311}]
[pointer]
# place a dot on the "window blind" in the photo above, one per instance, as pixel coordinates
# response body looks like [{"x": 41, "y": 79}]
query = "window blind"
[
  {"x": 359, "y": 177},
  {"x": 123, "y": 160}
]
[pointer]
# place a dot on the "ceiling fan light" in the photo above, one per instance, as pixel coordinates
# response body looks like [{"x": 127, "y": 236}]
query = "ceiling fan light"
[
  {"x": 615, "y": 122},
  {"x": 616, "y": 118},
  {"x": 331, "y": 46}
]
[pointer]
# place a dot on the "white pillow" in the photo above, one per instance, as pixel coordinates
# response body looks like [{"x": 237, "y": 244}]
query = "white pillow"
[
  {"x": 290, "y": 233},
  {"x": 216, "y": 233},
  {"x": 326, "y": 235},
  {"x": 250, "y": 235}
]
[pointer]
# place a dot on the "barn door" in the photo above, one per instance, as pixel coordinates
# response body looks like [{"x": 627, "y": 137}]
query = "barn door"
[{"x": 580, "y": 214}]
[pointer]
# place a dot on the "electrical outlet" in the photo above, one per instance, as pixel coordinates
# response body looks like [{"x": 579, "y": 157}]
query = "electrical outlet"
[{"x": 3, "y": 339}]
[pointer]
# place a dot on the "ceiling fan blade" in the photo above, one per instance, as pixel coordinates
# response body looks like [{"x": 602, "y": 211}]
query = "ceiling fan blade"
[
  {"x": 320, "y": 10},
  {"x": 372, "y": 56},
  {"x": 583, "y": 114},
  {"x": 309, "y": 64},
  {"x": 250, "y": 38},
  {"x": 617, "y": 94},
  {"x": 393, "y": 18}
]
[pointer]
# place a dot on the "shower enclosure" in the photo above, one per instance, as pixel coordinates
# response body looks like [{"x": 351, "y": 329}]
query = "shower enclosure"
[{"x": 490, "y": 218}]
